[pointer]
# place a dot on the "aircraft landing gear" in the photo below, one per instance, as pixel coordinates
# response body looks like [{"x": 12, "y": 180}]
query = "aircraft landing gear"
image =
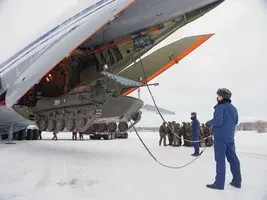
[{"x": 10, "y": 135}]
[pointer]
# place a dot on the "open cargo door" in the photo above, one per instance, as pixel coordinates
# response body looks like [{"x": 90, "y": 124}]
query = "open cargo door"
[
  {"x": 55, "y": 47},
  {"x": 160, "y": 60}
]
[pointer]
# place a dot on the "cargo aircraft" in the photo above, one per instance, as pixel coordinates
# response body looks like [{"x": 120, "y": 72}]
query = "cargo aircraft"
[{"x": 78, "y": 73}]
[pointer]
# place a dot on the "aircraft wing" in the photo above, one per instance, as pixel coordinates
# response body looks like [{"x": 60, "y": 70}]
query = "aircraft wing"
[
  {"x": 161, "y": 60},
  {"x": 153, "y": 109}
]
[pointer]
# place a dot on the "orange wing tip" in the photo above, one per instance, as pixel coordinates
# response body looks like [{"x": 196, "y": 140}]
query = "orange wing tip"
[{"x": 190, "y": 49}]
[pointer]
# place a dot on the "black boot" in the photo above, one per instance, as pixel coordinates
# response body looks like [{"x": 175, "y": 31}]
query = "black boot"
[
  {"x": 213, "y": 186},
  {"x": 235, "y": 185}
]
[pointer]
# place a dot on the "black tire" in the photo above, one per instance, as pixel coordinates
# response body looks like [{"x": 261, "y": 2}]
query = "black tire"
[
  {"x": 29, "y": 134},
  {"x": 35, "y": 134},
  {"x": 125, "y": 135},
  {"x": 16, "y": 136},
  {"x": 22, "y": 134},
  {"x": 4, "y": 137},
  {"x": 105, "y": 137}
]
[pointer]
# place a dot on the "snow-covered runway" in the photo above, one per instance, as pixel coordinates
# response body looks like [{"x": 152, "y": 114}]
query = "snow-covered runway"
[{"x": 123, "y": 170}]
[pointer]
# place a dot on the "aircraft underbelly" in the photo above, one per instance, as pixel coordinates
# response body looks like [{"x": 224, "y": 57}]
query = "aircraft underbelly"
[
  {"x": 61, "y": 48},
  {"x": 9, "y": 116}
]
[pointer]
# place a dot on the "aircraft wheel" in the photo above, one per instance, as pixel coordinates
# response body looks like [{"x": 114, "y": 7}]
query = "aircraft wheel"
[
  {"x": 29, "y": 134},
  {"x": 16, "y": 136},
  {"x": 22, "y": 134},
  {"x": 113, "y": 136},
  {"x": 4, "y": 137},
  {"x": 35, "y": 134}
]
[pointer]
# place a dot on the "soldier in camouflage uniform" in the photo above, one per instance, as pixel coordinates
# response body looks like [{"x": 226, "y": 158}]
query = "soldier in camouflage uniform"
[
  {"x": 188, "y": 134},
  {"x": 179, "y": 133},
  {"x": 175, "y": 134},
  {"x": 207, "y": 134},
  {"x": 74, "y": 135},
  {"x": 183, "y": 133},
  {"x": 162, "y": 134},
  {"x": 80, "y": 136},
  {"x": 170, "y": 134},
  {"x": 55, "y": 135}
]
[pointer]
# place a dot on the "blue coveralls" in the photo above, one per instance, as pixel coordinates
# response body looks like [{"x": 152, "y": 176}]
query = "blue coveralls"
[
  {"x": 223, "y": 124},
  {"x": 195, "y": 129}
]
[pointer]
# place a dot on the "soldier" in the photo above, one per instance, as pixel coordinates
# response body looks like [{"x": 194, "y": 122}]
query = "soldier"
[
  {"x": 80, "y": 136},
  {"x": 55, "y": 135},
  {"x": 207, "y": 136},
  {"x": 40, "y": 135},
  {"x": 175, "y": 132},
  {"x": 170, "y": 134},
  {"x": 188, "y": 134},
  {"x": 178, "y": 132},
  {"x": 162, "y": 134},
  {"x": 183, "y": 133},
  {"x": 74, "y": 135},
  {"x": 195, "y": 128}
]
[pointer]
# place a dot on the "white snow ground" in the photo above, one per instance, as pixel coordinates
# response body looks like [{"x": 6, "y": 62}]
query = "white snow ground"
[{"x": 123, "y": 170}]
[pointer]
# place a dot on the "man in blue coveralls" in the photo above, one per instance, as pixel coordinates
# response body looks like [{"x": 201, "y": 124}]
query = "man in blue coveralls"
[
  {"x": 223, "y": 124},
  {"x": 195, "y": 129}
]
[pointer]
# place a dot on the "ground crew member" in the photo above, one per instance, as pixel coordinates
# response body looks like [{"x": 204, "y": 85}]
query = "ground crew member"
[
  {"x": 55, "y": 135},
  {"x": 162, "y": 134},
  {"x": 183, "y": 133},
  {"x": 223, "y": 124},
  {"x": 189, "y": 134},
  {"x": 40, "y": 134},
  {"x": 175, "y": 134},
  {"x": 170, "y": 134},
  {"x": 178, "y": 132},
  {"x": 195, "y": 128},
  {"x": 80, "y": 136},
  {"x": 207, "y": 136},
  {"x": 74, "y": 135}
]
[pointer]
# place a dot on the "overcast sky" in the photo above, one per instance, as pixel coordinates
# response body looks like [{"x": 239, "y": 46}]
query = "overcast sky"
[{"x": 235, "y": 57}]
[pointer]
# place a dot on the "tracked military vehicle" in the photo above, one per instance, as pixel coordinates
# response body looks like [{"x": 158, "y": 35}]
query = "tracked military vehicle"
[{"x": 79, "y": 111}]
